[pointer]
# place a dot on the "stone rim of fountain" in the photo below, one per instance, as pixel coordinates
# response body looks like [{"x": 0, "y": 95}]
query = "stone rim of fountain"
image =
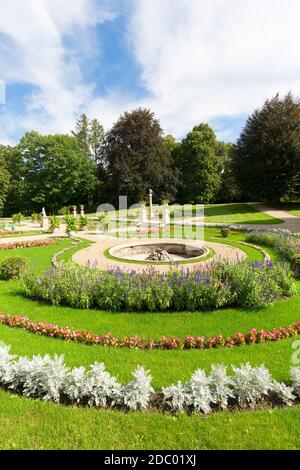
[{"x": 190, "y": 252}]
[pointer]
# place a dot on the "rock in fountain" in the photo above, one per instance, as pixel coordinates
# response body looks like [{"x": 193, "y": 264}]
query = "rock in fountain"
[{"x": 159, "y": 255}]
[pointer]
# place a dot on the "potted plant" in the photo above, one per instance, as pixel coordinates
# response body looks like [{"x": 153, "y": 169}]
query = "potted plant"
[
  {"x": 72, "y": 225},
  {"x": 104, "y": 222},
  {"x": 17, "y": 218},
  {"x": 54, "y": 223},
  {"x": 83, "y": 223}
]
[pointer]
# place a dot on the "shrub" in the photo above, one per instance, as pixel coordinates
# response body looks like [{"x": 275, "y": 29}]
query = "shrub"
[
  {"x": 225, "y": 232},
  {"x": 17, "y": 218},
  {"x": 13, "y": 268},
  {"x": 54, "y": 223},
  {"x": 51, "y": 380},
  {"x": 83, "y": 222},
  {"x": 72, "y": 223},
  {"x": 220, "y": 285},
  {"x": 35, "y": 217},
  {"x": 286, "y": 245}
]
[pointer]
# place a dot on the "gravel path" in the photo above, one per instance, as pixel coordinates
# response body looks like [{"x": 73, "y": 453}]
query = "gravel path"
[
  {"x": 290, "y": 222},
  {"x": 95, "y": 254}
]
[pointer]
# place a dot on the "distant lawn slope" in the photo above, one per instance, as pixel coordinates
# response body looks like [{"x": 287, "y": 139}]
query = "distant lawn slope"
[
  {"x": 237, "y": 214},
  {"x": 292, "y": 207}
]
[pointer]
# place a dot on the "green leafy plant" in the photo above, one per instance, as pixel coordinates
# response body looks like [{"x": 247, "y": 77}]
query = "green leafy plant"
[
  {"x": 17, "y": 218},
  {"x": 71, "y": 223},
  {"x": 104, "y": 221},
  {"x": 83, "y": 222},
  {"x": 223, "y": 285},
  {"x": 35, "y": 217},
  {"x": 225, "y": 232},
  {"x": 54, "y": 223},
  {"x": 13, "y": 268}
]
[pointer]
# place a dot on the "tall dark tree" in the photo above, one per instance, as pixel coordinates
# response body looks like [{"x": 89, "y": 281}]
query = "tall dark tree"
[
  {"x": 4, "y": 175},
  {"x": 137, "y": 159},
  {"x": 51, "y": 171},
  {"x": 229, "y": 191},
  {"x": 200, "y": 166},
  {"x": 267, "y": 160}
]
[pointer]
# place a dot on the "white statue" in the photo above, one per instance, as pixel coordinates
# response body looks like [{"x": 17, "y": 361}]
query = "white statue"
[
  {"x": 75, "y": 211},
  {"x": 151, "y": 203},
  {"x": 82, "y": 211},
  {"x": 143, "y": 215},
  {"x": 44, "y": 220},
  {"x": 166, "y": 218}
]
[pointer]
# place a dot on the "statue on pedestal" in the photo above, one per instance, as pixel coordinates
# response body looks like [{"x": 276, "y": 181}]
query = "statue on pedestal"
[{"x": 44, "y": 220}]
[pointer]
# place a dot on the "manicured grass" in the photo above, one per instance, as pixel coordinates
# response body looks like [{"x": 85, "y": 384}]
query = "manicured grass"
[
  {"x": 237, "y": 214},
  {"x": 166, "y": 366},
  {"x": 27, "y": 424}
]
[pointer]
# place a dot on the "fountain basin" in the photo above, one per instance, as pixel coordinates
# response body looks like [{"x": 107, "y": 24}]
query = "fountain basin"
[{"x": 141, "y": 251}]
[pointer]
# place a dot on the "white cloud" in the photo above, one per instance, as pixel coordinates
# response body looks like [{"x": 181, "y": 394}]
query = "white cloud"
[
  {"x": 32, "y": 52},
  {"x": 200, "y": 59},
  {"x": 207, "y": 58}
]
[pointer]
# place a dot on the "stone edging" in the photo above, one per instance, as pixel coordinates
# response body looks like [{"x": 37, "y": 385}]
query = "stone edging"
[{"x": 54, "y": 261}]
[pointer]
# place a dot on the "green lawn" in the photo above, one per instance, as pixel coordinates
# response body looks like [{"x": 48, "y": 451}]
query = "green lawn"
[
  {"x": 33, "y": 424},
  {"x": 26, "y": 424},
  {"x": 239, "y": 213}
]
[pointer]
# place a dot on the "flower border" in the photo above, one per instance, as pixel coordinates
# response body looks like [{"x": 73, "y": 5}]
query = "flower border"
[
  {"x": 65, "y": 333},
  {"x": 27, "y": 244}
]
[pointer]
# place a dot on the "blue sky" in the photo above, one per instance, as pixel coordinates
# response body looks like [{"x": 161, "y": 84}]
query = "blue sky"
[{"x": 190, "y": 61}]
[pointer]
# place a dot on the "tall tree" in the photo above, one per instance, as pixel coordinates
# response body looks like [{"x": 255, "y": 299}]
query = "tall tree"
[
  {"x": 229, "y": 191},
  {"x": 96, "y": 139},
  {"x": 137, "y": 159},
  {"x": 267, "y": 160},
  {"x": 54, "y": 172},
  {"x": 4, "y": 175},
  {"x": 90, "y": 136},
  {"x": 81, "y": 133},
  {"x": 199, "y": 163}
]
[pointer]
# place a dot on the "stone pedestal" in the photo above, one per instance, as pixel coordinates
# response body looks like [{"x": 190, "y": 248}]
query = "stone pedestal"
[
  {"x": 82, "y": 211},
  {"x": 44, "y": 220},
  {"x": 143, "y": 216},
  {"x": 166, "y": 219},
  {"x": 75, "y": 211}
]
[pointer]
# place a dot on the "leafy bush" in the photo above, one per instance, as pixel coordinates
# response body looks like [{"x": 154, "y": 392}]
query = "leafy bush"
[
  {"x": 225, "y": 232},
  {"x": 13, "y": 268},
  {"x": 17, "y": 218},
  {"x": 220, "y": 285},
  {"x": 51, "y": 380},
  {"x": 35, "y": 217},
  {"x": 83, "y": 222},
  {"x": 72, "y": 223},
  {"x": 286, "y": 245},
  {"x": 54, "y": 223}
]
